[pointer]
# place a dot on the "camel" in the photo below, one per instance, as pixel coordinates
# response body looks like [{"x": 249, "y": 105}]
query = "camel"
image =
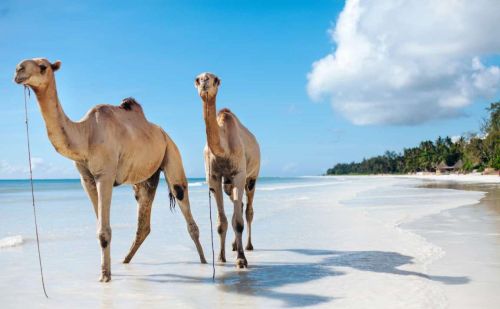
[
  {"x": 110, "y": 146},
  {"x": 232, "y": 158}
]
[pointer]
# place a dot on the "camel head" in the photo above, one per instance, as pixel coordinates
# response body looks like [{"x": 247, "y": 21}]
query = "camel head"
[
  {"x": 36, "y": 72},
  {"x": 207, "y": 85}
]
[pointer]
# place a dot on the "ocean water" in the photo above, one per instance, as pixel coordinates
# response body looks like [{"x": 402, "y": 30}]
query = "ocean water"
[
  {"x": 319, "y": 242},
  {"x": 65, "y": 198}
]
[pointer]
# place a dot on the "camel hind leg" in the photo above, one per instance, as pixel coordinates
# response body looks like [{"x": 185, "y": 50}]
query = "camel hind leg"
[
  {"x": 144, "y": 194},
  {"x": 250, "y": 191},
  {"x": 177, "y": 183},
  {"x": 89, "y": 185}
]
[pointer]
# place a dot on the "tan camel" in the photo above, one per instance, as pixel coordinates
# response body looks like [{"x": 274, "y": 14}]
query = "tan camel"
[
  {"x": 232, "y": 158},
  {"x": 111, "y": 145}
]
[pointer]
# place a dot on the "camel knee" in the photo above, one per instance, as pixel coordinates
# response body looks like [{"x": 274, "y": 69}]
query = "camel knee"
[
  {"x": 251, "y": 184},
  {"x": 179, "y": 192},
  {"x": 222, "y": 226},
  {"x": 104, "y": 236},
  {"x": 238, "y": 226},
  {"x": 143, "y": 231}
]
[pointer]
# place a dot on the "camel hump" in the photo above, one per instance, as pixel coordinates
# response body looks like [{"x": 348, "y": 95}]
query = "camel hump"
[
  {"x": 225, "y": 111},
  {"x": 129, "y": 104},
  {"x": 225, "y": 114}
]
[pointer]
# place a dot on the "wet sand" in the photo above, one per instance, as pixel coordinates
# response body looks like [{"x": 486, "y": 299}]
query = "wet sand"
[{"x": 470, "y": 238}]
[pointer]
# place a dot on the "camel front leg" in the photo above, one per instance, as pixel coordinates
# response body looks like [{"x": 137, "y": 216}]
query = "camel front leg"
[
  {"x": 104, "y": 192},
  {"x": 177, "y": 182},
  {"x": 215, "y": 186},
  {"x": 238, "y": 223},
  {"x": 144, "y": 194}
]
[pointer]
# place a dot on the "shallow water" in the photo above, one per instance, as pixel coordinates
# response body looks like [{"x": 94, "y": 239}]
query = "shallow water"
[
  {"x": 318, "y": 241},
  {"x": 470, "y": 236}
]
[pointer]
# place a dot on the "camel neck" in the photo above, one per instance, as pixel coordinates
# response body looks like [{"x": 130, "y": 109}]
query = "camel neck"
[
  {"x": 60, "y": 129},
  {"x": 212, "y": 128}
]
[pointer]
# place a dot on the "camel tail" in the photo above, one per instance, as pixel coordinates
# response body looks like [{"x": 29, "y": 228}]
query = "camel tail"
[
  {"x": 174, "y": 174},
  {"x": 171, "y": 197}
]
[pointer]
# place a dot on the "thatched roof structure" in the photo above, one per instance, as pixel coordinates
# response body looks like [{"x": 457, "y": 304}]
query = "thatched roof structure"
[{"x": 443, "y": 167}]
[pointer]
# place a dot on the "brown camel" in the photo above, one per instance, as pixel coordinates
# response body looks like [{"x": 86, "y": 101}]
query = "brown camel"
[
  {"x": 232, "y": 158},
  {"x": 111, "y": 145}
]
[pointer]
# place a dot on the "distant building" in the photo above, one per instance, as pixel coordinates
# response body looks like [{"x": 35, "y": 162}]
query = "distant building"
[{"x": 443, "y": 168}]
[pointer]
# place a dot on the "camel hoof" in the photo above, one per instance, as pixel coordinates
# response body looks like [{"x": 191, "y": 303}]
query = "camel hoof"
[
  {"x": 241, "y": 263},
  {"x": 249, "y": 247},
  {"x": 234, "y": 246},
  {"x": 126, "y": 260},
  {"x": 105, "y": 277},
  {"x": 202, "y": 260},
  {"x": 221, "y": 259}
]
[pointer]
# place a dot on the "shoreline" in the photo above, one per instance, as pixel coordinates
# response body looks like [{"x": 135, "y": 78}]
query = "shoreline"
[
  {"x": 458, "y": 238},
  {"x": 457, "y": 178},
  {"x": 469, "y": 236},
  {"x": 464, "y": 178}
]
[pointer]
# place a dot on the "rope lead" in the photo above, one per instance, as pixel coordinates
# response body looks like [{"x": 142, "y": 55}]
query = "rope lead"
[
  {"x": 26, "y": 89},
  {"x": 211, "y": 226}
]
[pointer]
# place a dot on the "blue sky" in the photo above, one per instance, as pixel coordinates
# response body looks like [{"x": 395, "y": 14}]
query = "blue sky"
[{"x": 263, "y": 52}]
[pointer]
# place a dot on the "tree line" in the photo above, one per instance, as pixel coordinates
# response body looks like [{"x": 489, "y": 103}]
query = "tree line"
[{"x": 469, "y": 152}]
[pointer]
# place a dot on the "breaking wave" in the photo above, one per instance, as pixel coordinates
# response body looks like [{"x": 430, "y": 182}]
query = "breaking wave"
[{"x": 11, "y": 241}]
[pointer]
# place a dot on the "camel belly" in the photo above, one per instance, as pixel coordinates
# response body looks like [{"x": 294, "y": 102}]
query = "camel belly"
[
  {"x": 139, "y": 165},
  {"x": 224, "y": 167}
]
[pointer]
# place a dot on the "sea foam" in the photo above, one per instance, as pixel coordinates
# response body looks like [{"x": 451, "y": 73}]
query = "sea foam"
[{"x": 11, "y": 241}]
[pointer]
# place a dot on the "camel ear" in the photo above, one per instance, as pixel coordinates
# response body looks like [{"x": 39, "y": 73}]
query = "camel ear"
[
  {"x": 196, "y": 82},
  {"x": 56, "y": 65},
  {"x": 217, "y": 81}
]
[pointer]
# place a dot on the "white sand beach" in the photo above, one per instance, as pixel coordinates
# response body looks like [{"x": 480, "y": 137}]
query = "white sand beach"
[
  {"x": 462, "y": 178},
  {"x": 322, "y": 242}
]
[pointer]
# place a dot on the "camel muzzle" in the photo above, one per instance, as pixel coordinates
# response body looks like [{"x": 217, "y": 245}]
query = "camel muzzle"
[{"x": 20, "y": 80}]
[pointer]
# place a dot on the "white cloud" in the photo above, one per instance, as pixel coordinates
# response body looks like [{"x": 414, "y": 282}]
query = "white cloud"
[
  {"x": 41, "y": 169},
  {"x": 406, "y": 62},
  {"x": 7, "y": 169}
]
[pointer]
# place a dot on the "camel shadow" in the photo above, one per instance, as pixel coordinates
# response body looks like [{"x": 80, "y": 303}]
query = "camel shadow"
[
  {"x": 262, "y": 280},
  {"x": 375, "y": 261}
]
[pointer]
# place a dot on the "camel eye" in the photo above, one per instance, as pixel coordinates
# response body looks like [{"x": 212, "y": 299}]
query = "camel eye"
[{"x": 43, "y": 67}]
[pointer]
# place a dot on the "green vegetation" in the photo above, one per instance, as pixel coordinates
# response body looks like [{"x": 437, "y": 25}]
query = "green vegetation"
[{"x": 467, "y": 153}]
